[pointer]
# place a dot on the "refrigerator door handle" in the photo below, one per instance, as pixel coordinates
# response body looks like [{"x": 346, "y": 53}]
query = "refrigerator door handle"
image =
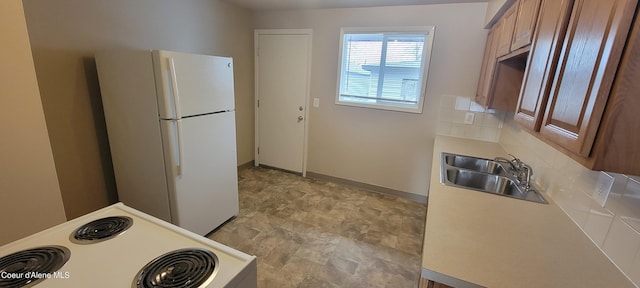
[
  {"x": 180, "y": 162},
  {"x": 174, "y": 139},
  {"x": 175, "y": 94}
]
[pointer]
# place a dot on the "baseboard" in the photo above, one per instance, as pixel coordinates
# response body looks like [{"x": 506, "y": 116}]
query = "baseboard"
[
  {"x": 410, "y": 196},
  {"x": 246, "y": 165},
  {"x": 279, "y": 169}
]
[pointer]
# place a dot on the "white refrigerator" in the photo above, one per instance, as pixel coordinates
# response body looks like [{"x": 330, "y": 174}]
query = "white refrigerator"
[{"x": 171, "y": 125}]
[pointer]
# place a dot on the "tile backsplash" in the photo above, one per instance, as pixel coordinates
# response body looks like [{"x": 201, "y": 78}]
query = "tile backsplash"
[
  {"x": 460, "y": 117},
  {"x": 606, "y": 206}
]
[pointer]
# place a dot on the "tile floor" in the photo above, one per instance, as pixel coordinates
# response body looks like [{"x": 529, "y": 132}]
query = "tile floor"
[{"x": 312, "y": 233}]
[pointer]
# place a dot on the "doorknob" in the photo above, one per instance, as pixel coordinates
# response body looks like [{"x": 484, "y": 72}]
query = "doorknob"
[{"x": 300, "y": 118}]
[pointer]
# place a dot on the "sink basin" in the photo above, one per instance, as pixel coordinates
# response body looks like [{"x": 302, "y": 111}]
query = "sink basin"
[
  {"x": 473, "y": 163},
  {"x": 483, "y": 175},
  {"x": 483, "y": 182}
]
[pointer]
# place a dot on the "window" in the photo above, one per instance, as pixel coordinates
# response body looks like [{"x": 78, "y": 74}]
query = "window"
[{"x": 384, "y": 68}]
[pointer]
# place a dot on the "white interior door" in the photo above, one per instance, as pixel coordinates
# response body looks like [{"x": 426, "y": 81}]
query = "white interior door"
[{"x": 282, "y": 86}]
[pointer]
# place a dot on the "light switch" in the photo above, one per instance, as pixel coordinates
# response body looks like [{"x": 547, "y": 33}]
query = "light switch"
[
  {"x": 468, "y": 119},
  {"x": 316, "y": 102},
  {"x": 603, "y": 188}
]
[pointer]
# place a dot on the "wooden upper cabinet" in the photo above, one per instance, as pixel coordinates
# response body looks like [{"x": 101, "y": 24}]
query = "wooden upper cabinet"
[
  {"x": 506, "y": 25},
  {"x": 618, "y": 140},
  {"x": 588, "y": 62},
  {"x": 525, "y": 23},
  {"x": 543, "y": 58},
  {"x": 518, "y": 24},
  {"x": 487, "y": 68},
  {"x": 500, "y": 81}
]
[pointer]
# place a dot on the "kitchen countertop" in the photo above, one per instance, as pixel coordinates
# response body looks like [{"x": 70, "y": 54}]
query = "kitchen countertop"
[{"x": 476, "y": 239}]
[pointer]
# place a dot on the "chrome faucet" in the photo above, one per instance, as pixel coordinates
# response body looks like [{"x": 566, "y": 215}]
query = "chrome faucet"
[
  {"x": 521, "y": 171},
  {"x": 528, "y": 172},
  {"x": 515, "y": 163}
]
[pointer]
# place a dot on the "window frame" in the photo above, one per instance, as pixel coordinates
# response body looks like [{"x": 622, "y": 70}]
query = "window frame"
[{"x": 426, "y": 54}]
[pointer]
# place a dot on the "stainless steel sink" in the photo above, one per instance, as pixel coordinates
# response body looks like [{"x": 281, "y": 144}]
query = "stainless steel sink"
[
  {"x": 473, "y": 163},
  {"x": 483, "y": 175},
  {"x": 483, "y": 182}
]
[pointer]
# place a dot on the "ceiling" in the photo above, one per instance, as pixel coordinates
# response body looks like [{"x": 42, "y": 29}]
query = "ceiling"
[{"x": 321, "y": 4}]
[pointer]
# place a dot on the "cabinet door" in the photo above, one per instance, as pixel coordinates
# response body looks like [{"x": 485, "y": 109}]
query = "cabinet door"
[
  {"x": 543, "y": 58},
  {"x": 525, "y": 23},
  {"x": 616, "y": 147},
  {"x": 588, "y": 62},
  {"x": 486, "y": 71},
  {"x": 508, "y": 21}
]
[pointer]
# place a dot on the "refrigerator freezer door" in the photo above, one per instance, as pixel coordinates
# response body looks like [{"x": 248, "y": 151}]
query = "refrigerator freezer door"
[
  {"x": 205, "y": 192},
  {"x": 190, "y": 84}
]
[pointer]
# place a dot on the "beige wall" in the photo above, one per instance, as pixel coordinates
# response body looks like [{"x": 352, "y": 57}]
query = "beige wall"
[
  {"x": 384, "y": 148},
  {"x": 29, "y": 195},
  {"x": 64, "y": 34}
]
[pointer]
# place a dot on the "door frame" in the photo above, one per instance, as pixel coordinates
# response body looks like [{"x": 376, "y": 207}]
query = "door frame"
[{"x": 257, "y": 34}]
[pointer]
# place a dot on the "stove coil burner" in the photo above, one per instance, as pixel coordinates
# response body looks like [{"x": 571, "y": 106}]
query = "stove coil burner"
[
  {"x": 29, "y": 267},
  {"x": 187, "y": 268},
  {"x": 101, "y": 229}
]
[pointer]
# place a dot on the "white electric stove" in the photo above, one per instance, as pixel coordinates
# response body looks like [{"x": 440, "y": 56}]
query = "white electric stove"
[{"x": 119, "y": 246}]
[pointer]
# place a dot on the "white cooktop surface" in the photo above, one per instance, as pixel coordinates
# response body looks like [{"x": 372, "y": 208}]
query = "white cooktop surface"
[{"x": 115, "y": 262}]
